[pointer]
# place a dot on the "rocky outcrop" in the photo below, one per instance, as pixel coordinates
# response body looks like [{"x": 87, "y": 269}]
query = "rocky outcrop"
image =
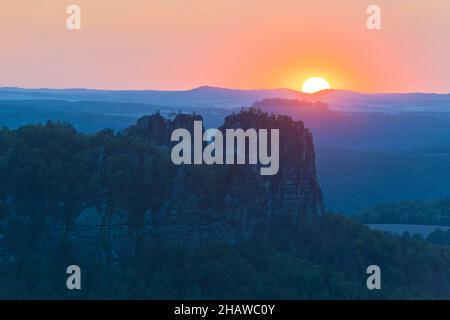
[
  {"x": 219, "y": 203},
  {"x": 244, "y": 202}
]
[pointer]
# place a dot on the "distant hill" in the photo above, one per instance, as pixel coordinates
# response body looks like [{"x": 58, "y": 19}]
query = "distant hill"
[
  {"x": 209, "y": 97},
  {"x": 90, "y": 116},
  {"x": 203, "y": 97},
  {"x": 348, "y": 101}
]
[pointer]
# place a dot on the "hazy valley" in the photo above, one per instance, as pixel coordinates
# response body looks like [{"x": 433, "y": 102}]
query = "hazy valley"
[{"x": 370, "y": 148}]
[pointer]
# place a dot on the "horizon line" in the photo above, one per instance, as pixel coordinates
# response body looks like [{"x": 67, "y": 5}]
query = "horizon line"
[{"x": 223, "y": 88}]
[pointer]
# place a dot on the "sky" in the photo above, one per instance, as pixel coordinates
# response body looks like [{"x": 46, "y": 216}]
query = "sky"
[{"x": 246, "y": 44}]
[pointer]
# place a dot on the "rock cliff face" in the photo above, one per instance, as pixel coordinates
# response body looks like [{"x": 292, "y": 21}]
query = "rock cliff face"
[
  {"x": 224, "y": 202},
  {"x": 206, "y": 204}
]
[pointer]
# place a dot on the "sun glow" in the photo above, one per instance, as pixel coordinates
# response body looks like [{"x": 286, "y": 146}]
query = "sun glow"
[{"x": 313, "y": 85}]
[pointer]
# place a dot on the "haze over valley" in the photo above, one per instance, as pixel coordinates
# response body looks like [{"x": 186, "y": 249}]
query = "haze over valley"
[{"x": 370, "y": 148}]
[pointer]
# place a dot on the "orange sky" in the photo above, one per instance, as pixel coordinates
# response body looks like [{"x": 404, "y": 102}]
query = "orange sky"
[{"x": 180, "y": 44}]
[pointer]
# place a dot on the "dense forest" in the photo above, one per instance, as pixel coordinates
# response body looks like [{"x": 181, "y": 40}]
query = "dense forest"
[
  {"x": 432, "y": 212},
  {"x": 52, "y": 173}
]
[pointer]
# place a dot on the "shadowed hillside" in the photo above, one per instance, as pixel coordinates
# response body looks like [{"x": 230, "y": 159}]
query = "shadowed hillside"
[{"x": 141, "y": 227}]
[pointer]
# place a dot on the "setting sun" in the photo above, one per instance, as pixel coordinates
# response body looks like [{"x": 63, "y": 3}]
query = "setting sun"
[{"x": 313, "y": 85}]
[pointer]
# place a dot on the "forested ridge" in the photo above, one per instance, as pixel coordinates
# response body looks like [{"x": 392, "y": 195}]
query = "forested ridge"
[
  {"x": 432, "y": 212},
  {"x": 51, "y": 173}
]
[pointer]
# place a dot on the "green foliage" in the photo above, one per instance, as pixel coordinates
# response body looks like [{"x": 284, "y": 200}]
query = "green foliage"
[
  {"x": 329, "y": 263},
  {"x": 50, "y": 173},
  {"x": 435, "y": 212},
  {"x": 439, "y": 237}
]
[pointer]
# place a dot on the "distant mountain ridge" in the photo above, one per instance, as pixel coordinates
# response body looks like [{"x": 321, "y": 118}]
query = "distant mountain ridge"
[
  {"x": 211, "y": 97},
  {"x": 198, "y": 97}
]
